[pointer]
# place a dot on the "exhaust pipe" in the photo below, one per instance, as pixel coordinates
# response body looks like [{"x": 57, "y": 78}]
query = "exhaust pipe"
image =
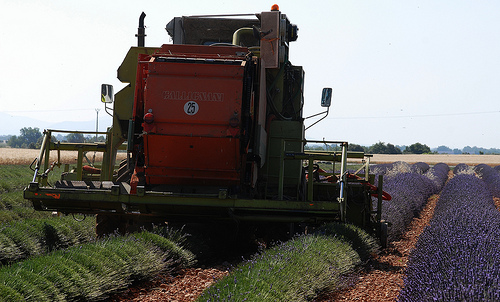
[{"x": 141, "y": 31}]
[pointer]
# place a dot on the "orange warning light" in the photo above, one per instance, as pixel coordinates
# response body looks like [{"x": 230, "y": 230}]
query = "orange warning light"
[{"x": 275, "y": 7}]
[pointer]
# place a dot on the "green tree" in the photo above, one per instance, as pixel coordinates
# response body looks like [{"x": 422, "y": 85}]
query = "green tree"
[
  {"x": 382, "y": 148},
  {"x": 75, "y": 138},
  {"x": 355, "y": 147},
  {"x": 93, "y": 139},
  {"x": 391, "y": 149},
  {"x": 314, "y": 147},
  {"x": 39, "y": 142},
  {"x": 30, "y": 135},
  {"x": 378, "y": 148},
  {"x": 14, "y": 142},
  {"x": 418, "y": 148},
  {"x": 28, "y": 138},
  {"x": 444, "y": 149}
]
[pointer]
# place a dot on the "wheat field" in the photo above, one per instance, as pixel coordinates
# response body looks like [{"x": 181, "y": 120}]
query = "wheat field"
[
  {"x": 432, "y": 159},
  {"x": 16, "y": 156}
]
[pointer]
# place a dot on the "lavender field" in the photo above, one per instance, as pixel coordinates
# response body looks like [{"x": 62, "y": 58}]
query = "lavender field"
[
  {"x": 410, "y": 187},
  {"x": 457, "y": 257}
]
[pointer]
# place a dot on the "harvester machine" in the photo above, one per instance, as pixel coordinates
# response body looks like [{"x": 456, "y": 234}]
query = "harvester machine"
[{"x": 209, "y": 128}]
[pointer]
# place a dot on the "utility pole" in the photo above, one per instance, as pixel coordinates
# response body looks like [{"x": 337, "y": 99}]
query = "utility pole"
[{"x": 97, "y": 123}]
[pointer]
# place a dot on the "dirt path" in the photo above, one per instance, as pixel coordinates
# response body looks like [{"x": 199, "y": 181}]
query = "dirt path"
[
  {"x": 186, "y": 286},
  {"x": 383, "y": 278}
]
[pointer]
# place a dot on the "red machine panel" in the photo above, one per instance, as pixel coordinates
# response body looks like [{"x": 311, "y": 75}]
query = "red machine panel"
[{"x": 195, "y": 102}]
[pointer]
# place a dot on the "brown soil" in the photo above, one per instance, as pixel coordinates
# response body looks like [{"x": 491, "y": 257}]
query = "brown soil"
[
  {"x": 185, "y": 286},
  {"x": 383, "y": 279}
]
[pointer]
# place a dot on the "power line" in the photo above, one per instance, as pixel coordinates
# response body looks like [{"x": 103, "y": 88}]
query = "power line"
[
  {"x": 46, "y": 110},
  {"x": 410, "y": 116}
]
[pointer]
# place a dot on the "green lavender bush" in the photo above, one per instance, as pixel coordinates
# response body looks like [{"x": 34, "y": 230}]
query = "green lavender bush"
[
  {"x": 90, "y": 271},
  {"x": 297, "y": 270}
]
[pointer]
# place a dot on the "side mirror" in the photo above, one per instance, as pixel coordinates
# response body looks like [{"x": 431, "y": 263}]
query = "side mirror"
[
  {"x": 107, "y": 93},
  {"x": 326, "y": 97}
]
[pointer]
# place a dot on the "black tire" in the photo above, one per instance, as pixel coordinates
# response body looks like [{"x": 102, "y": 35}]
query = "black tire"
[{"x": 107, "y": 224}]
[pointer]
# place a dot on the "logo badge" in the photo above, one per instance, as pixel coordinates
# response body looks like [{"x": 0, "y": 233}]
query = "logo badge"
[{"x": 191, "y": 108}]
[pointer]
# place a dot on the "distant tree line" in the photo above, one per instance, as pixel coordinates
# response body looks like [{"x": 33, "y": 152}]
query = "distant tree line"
[
  {"x": 383, "y": 148},
  {"x": 417, "y": 148},
  {"x": 31, "y": 138},
  {"x": 467, "y": 150},
  {"x": 378, "y": 148}
]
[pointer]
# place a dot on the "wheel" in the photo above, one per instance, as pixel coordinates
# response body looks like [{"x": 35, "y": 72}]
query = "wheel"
[{"x": 107, "y": 224}]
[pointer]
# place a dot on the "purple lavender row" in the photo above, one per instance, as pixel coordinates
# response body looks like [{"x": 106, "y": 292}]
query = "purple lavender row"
[
  {"x": 438, "y": 176},
  {"x": 457, "y": 257},
  {"x": 400, "y": 166},
  {"x": 491, "y": 177},
  {"x": 420, "y": 168},
  {"x": 409, "y": 191},
  {"x": 461, "y": 168}
]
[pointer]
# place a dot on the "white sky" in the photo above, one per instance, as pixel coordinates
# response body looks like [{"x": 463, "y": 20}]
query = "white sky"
[{"x": 402, "y": 71}]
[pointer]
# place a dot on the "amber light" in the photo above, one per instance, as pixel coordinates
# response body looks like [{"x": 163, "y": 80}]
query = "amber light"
[
  {"x": 234, "y": 122},
  {"x": 149, "y": 118},
  {"x": 275, "y": 7}
]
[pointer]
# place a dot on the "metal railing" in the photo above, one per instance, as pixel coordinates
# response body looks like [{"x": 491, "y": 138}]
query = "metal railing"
[
  {"x": 333, "y": 156},
  {"x": 47, "y": 146}
]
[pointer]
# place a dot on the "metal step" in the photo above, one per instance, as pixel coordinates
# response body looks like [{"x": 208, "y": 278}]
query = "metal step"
[{"x": 83, "y": 185}]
